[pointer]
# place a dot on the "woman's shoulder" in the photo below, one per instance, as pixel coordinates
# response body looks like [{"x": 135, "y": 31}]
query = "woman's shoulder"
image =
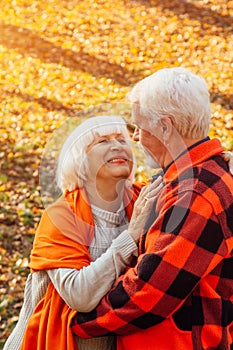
[{"x": 137, "y": 186}]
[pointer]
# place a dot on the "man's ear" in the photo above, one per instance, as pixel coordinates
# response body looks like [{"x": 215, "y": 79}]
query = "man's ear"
[{"x": 166, "y": 127}]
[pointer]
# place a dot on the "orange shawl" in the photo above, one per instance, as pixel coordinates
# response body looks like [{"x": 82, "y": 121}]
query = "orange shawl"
[{"x": 62, "y": 239}]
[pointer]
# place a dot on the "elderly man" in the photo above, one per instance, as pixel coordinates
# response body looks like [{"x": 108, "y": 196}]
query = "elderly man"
[{"x": 179, "y": 294}]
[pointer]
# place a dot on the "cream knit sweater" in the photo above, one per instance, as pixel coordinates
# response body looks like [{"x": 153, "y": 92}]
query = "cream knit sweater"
[{"x": 112, "y": 249}]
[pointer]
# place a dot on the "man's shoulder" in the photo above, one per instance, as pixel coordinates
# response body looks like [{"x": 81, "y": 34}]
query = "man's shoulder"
[
  {"x": 216, "y": 164},
  {"x": 212, "y": 174}
]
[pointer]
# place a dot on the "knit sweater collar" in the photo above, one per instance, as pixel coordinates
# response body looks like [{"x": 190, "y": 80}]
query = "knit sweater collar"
[{"x": 108, "y": 216}]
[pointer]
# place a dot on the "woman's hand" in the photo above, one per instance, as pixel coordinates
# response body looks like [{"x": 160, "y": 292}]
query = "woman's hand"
[
  {"x": 228, "y": 157},
  {"x": 142, "y": 207}
]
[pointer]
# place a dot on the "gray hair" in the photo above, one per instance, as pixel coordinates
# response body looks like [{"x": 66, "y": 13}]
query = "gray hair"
[
  {"x": 72, "y": 166},
  {"x": 176, "y": 92}
]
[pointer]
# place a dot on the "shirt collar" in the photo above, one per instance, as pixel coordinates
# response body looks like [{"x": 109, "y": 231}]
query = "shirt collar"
[{"x": 192, "y": 149}]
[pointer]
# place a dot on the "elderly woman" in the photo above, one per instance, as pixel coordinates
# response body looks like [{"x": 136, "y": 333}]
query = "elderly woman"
[{"x": 82, "y": 243}]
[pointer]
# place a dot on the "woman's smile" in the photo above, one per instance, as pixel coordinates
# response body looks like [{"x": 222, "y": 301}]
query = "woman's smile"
[{"x": 118, "y": 159}]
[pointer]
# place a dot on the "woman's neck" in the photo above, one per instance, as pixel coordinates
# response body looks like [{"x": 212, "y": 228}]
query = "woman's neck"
[{"x": 107, "y": 196}]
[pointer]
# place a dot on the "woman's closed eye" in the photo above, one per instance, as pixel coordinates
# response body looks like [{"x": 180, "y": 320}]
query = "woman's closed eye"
[
  {"x": 107, "y": 140},
  {"x": 122, "y": 140},
  {"x": 103, "y": 140}
]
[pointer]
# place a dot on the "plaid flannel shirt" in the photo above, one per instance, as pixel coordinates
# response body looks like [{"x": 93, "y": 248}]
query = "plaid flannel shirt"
[{"x": 185, "y": 266}]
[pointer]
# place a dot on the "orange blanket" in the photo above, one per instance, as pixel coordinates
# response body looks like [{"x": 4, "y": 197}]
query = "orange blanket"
[{"x": 62, "y": 239}]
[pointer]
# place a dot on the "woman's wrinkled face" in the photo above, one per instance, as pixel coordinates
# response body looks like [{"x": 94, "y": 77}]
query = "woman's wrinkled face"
[{"x": 109, "y": 156}]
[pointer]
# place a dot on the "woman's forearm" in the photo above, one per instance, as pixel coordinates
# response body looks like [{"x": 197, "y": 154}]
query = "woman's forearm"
[{"x": 83, "y": 289}]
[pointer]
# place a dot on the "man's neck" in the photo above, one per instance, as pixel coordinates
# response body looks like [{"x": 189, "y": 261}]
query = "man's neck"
[{"x": 178, "y": 149}]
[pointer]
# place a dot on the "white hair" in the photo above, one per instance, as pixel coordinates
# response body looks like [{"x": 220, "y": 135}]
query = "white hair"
[
  {"x": 72, "y": 167},
  {"x": 176, "y": 92}
]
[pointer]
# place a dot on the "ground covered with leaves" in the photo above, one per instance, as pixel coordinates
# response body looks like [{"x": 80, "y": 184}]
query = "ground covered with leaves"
[{"x": 60, "y": 59}]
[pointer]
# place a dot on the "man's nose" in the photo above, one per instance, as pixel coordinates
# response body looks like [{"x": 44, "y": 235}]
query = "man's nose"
[{"x": 136, "y": 134}]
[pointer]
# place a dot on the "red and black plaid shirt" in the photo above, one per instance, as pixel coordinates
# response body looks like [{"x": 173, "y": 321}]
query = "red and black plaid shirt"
[{"x": 185, "y": 266}]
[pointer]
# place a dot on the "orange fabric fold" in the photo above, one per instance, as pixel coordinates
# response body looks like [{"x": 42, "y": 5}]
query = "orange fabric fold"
[{"x": 65, "y": 231}]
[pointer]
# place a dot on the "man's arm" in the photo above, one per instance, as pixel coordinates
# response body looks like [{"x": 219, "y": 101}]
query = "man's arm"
[{"x": 165, "y": 275}]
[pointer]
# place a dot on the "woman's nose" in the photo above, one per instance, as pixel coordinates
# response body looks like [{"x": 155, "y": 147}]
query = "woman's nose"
[
  {"x": 115, "y": 144},
  {"x": 136, "y": 134}
]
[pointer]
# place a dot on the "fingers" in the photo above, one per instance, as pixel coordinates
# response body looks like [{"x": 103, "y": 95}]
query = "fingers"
[
  {"x": 154, "y": 191},
  {"x": 151, "y": 190},
  {"x": 142, "y": 207},
  {"x": 147, "y": 197},
  {"x": 228, "y": 157}
]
